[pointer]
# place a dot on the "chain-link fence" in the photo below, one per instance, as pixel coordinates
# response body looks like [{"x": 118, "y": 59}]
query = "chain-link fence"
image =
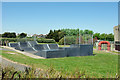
[{"x": 80, "y": 39}]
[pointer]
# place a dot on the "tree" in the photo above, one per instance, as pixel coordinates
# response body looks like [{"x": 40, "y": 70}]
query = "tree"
[
  {"x": 13, "y": 35},
  {"x": 56, "y": 35},
  {"x": 0, "y": 35},
  {"x": 103, "y": 36},
  {"x": 110, "y": 37},
  {"x": 96, "y": 35},
  {"x": 81, "y": 32},
  {"x": 91, "y": 32},
  {"x": 22, "y": 35},
  {"x": 70, "y": 32},
  {"x": 61, "y": 34},
  {"x": 88, "y": 31},
  {"x": 50, "y": 35},
  {"x": 9, "y": 35}
]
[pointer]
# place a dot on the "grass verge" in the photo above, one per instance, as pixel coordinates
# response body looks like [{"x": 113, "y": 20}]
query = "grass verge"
[{"x": 101, "y": 65}]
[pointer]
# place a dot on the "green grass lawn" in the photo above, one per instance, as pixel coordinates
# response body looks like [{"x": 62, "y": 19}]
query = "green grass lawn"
[{"x": 100, "y": 65}]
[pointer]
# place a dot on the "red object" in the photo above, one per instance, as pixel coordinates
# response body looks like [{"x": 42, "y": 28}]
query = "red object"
[{"x": 104, "y": 42}]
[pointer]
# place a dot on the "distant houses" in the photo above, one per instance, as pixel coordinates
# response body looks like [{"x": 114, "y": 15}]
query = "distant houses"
[{"x": 40, "y": 36}]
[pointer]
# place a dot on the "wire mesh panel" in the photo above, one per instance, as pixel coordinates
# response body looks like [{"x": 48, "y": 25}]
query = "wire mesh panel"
[
  {"x": 79, "y": 39},
  {"x": 21, "y": 39}
]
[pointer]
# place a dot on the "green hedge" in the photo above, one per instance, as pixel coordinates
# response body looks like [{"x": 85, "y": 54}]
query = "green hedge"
[
  {"x": 4, "y": 41},
  {"x": 45, "y": 40}
]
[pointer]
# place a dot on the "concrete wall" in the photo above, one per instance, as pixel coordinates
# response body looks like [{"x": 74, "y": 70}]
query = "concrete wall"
[
  {"x": 86, "y": 50},
  {"x": 82, "y": 50},
  {"x": 51, "y": 53}
]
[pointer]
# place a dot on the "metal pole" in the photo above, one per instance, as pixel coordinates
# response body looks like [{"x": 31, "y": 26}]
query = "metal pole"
[
  {"x": 85, "y": 38},
  {"x": 64, "y": 41},
  {"x": 92, "y": 39},
  {"x": 79, "y": 36},
  {"x": 34, "y": 38},
  {"x": 25, "y": 38}
]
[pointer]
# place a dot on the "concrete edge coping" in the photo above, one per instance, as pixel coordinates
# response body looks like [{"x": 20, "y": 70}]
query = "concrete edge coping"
[{"x": 25, "y": 53}]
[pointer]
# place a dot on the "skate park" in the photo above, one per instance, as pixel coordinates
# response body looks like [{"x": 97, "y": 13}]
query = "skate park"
[{"x": 52, "y": 50}]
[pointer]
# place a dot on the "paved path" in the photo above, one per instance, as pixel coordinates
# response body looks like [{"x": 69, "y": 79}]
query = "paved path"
[
  {"x": 6, "y": 49},
  {"x": 8, "y": 63},
  {"x": 107, "y": 51},
  {"x": 25, "y": 53}
]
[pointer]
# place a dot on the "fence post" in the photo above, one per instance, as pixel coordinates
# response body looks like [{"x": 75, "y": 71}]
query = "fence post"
[
  {"x": 64, "y": 41},
  {"x": 92, "y": 39}
]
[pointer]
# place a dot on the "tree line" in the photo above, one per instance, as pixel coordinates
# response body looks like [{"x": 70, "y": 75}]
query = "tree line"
[
  {"x": 59, "y": 34},
  {"x": 13, "y": 35}
]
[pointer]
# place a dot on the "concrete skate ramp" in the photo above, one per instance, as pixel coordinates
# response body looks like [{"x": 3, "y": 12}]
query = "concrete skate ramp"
[
  {"x": 14, "y": 45},
  {"x": 52, "y": 50},
  {"x": 32, "y": 43},
  {"x": 39, "y": 47},
  {"x": 49, "y": 51},
  {"x": 46, "y": 46},
  {"x": 23, "y": 44},
  {"x": 53, "y": 46},
  {"x": 26, "y": 47}
]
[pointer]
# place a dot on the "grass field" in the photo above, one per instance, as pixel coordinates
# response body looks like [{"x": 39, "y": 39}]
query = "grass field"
[{"x": 101, "y": 65}]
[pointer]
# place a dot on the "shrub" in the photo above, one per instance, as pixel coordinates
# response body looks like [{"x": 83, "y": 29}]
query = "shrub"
[
  {"x": 42, "y": 40},
  {"x": 31, "y": 72}
]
